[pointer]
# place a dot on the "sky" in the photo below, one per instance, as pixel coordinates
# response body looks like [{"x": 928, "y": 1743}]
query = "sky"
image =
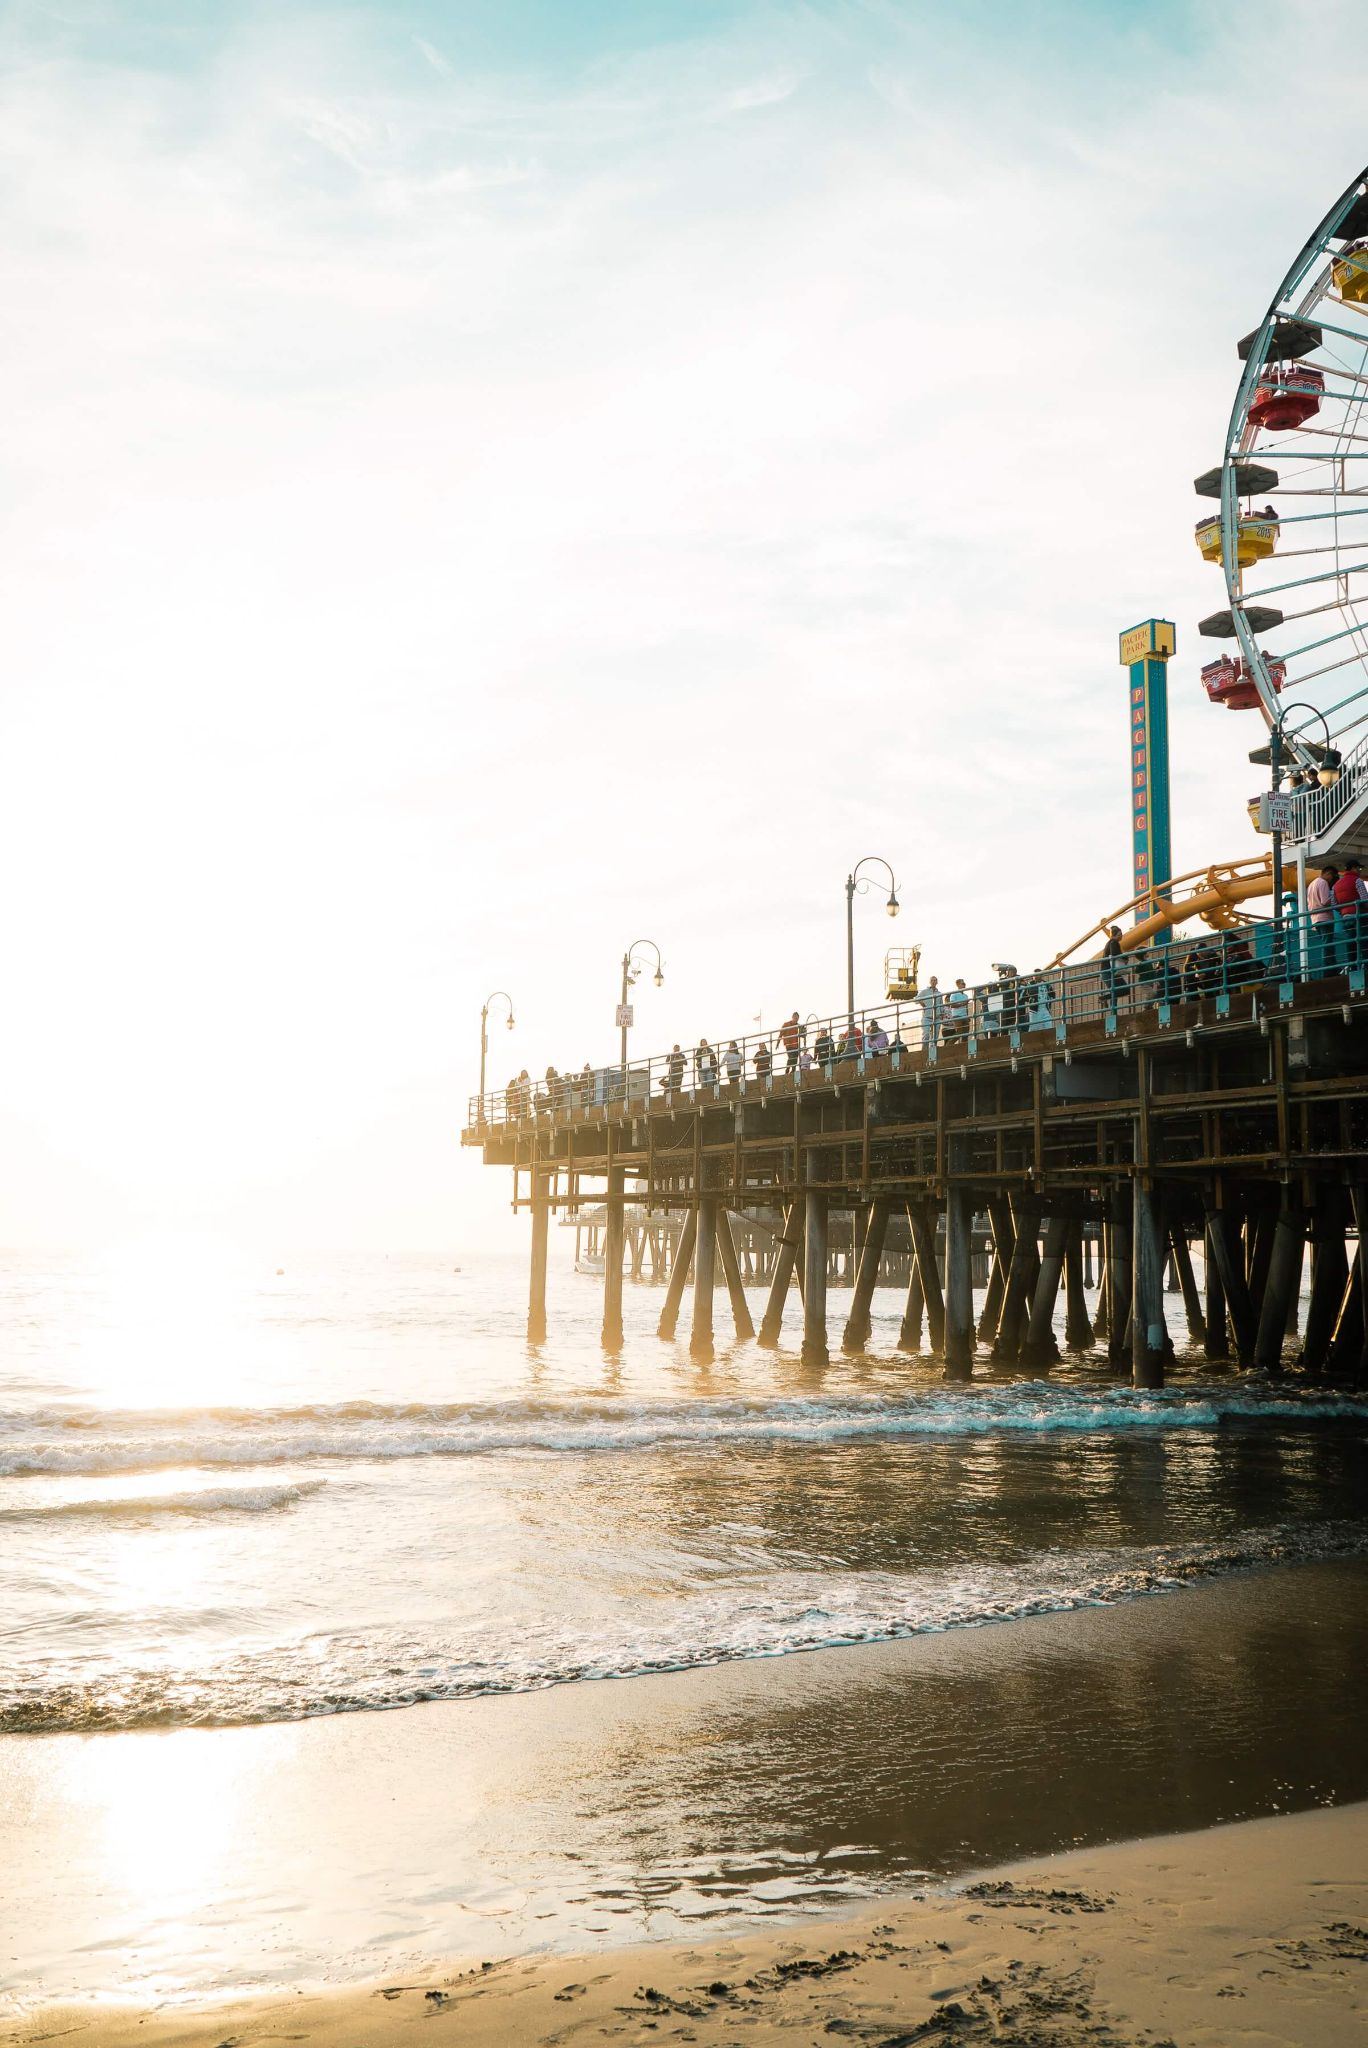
[{"x": 485, "y": 483}]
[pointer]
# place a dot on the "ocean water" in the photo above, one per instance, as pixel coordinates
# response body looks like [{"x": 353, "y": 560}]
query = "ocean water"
[{"x": 234, "y": 1494}]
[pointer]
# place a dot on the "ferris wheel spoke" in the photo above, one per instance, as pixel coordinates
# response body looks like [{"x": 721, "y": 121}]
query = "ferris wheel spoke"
[
  {"x": 1303, "y": 518},
  {"x": 1294, "y": 653},
  {"x": 1305, "y": 582}
]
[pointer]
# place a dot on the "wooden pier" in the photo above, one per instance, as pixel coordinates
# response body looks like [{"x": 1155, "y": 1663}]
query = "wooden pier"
[{"x": 1237, "y": 1122}]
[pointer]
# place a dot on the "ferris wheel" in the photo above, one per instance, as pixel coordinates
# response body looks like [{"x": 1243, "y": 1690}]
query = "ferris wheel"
[{"x": 1291, "y": 528}]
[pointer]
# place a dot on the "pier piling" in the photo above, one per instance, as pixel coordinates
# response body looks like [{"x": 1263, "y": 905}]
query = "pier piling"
[
  {"x": 814, "y": 1351},
  {"x": 1021, "y": 1277},
  {"x": 785, "y": 1258},
  {"x": 1216, "y": 1344},
  {"x": 1120, "y": 1227},
  {"x": 1284, "y": 1268},
  {"x": 679, "y": 1278},
  {"x": 1329, "y": 1278},
  {"x": 1148, "y": 1333},
  {"x": 1227, "y": 1251},
  {"x": 1078, "y": 1329},
  {"x": 1039, "y": 1351},
  {"x": 1187, "y": 1281},
  {"x": 921, "y": 1218},
  {"x": 740, "y": 1307},
  {"x": 705, "y": 1265},
  {"x": 1004, "y": 1237},
  {"x": 858, "y": 1325},
  {"x": 612, "y": 1260},
  {"x": 536, "y": 1284},
  {"x": 959, "y": 1284},
  {"x": 910, "y": 1333}
]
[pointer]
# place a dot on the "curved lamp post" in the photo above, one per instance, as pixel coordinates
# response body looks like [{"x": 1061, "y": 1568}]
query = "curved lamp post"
[
  {"x": 498, "y": 995},
  {"x": 631, "y": 970},
  {"x": 854, "y": 881}
]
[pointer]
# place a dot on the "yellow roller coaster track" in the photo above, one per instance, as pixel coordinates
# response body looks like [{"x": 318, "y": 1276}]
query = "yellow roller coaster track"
[{"x": 1211, "y": 894}]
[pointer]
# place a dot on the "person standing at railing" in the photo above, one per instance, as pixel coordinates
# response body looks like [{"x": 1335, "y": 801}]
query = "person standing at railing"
[
  {"x": 932, "y": 1004},
  {"x": 731, "y": 1061},
  {"x": 876, "y": 1038},
  {"x": 1320, "y": 901},
  {"x": 1351, "y": 897},
  {"x": 824, "y": 1047},
  {"x": 705, "y": 1064},
  {"x": 957, "y": 1011},
  {"x": 1113, "y": 980},
  {"x": 852, "y": 1045},
  {"x": 791, "y": 1039},
  {"x": 674, "y": 1070},
  {"x": 764, "y": 1061}
]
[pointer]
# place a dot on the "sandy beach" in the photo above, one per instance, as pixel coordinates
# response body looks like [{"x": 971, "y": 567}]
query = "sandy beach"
[{"x": 1255, "y": 1933}]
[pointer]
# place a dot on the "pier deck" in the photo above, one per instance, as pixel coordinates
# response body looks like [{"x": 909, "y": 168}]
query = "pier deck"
[{"x": 1237, "y": 1117}]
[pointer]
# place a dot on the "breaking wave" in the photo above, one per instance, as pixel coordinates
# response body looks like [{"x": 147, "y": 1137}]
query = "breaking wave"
[
  {"x": 357, "y": 1671},
  {"x": 218, "y": 1500},
  {"x": 76, "y": 1440}
]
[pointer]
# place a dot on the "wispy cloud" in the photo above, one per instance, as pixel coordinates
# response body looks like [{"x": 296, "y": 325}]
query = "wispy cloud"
[{"x": 460, "y": 513}]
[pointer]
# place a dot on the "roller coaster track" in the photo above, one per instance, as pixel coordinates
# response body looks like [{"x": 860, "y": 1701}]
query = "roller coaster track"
[{"x": 1211, "y": 894}]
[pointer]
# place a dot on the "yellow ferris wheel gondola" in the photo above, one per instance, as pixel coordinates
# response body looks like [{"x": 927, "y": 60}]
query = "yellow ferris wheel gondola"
[
  {"x": 1349, "y": 273},
  {"x": 1257, "y": 538}
]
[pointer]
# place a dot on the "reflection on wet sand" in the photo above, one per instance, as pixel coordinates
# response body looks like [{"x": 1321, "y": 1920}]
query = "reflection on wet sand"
[{"x": 615, "y": 1811}]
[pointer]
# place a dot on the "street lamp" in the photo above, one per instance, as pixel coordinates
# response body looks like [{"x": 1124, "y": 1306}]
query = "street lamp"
[
  {"x": 855, "y": 881},
  {"x": 498, "y": 995},
  {"x": 1327, "y": 774},
  {"x": 631, "y": 971}
]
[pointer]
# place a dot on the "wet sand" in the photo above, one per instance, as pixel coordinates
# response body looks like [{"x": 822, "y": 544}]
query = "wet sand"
[
  {"x": 704, "y": 1804},
  {"x": 1255, "y": 1933}
]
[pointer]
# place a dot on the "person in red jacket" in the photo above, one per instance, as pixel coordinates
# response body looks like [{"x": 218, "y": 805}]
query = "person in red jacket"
[
  {"x": 1351, "y": 897},
  {"x": 791, "y": 1038}
]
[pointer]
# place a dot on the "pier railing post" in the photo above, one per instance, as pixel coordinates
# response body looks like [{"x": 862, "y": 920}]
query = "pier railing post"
[
  {"x": 859, "y": 1323},
  {"x": 705, "y": 1268},
  {"x": 536, "y": 1284},
  {"x": 679, "y": 1278},
  {"x": 612, "y": 1260},
  {"x": 1147, "y": 1307},
  {"x": 731, "y": 1268},
  {"x": 959, "y": 1284},
  {"x": 815, "y": 1350}
]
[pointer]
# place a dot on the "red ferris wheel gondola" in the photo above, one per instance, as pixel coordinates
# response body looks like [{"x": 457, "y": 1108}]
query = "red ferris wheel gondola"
[
  {"x": 1287, "y": 396},
  {"x": 1229, "y": 682}
]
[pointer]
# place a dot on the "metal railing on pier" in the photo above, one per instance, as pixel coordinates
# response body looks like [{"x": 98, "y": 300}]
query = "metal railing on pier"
[
  {"x": 1317, "y": 809},
  {"x": 1213, "y": 970}
]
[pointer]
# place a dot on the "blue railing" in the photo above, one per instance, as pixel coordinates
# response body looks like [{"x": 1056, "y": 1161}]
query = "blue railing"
[{"x": 1186, "y": 976}]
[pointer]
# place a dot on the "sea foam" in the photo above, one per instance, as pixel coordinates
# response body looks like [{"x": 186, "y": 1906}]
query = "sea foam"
[{"x": 85, "y": 1440}]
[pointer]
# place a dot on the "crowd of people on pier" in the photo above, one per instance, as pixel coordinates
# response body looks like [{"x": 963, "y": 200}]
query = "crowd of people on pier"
[{"x": 1333, "y": 940}]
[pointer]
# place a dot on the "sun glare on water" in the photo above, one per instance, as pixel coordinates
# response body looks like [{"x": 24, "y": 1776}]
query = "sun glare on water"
[{"x": 176, "y": 1323}]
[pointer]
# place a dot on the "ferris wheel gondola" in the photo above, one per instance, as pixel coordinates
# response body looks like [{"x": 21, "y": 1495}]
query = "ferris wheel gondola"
[{"x": 1296, "y": 570}]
